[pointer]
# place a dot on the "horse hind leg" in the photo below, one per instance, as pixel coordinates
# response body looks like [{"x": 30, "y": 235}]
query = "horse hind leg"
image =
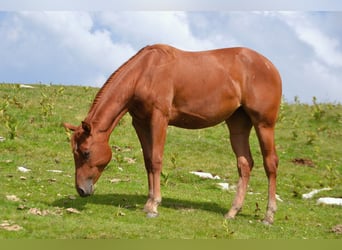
[
  {"x": 265, "y": 133},
  {"x": 240, "y": 125}
]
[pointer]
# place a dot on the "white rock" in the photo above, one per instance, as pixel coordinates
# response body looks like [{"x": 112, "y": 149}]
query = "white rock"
[
  {"x": 23, "y": 86},
  {"x": 72, "y": 210},
  {"x": 24, "y": 169},
  {"x": 223, "y": 185},
  {"x": 115, "y": 180},
  {"x": 205, "y": 175},
  {"x": 330, "y": 201},
  {"x": 54, "y": 171},
  {"x": 313, "y": 192},
  {"x": 278, "y": 198}
]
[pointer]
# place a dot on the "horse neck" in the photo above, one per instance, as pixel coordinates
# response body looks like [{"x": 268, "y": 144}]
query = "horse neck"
[{"x": 111, "y": 103}]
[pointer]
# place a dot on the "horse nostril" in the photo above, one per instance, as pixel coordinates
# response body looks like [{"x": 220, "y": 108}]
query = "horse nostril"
[{"x": 81, "y": 192}]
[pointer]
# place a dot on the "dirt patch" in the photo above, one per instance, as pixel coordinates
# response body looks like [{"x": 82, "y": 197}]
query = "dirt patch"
[
  {"x": 10, "y": 226},
  {"x": 303, "y": 162},
  {"x": 41, "y": 212},
  {"x": 37, "y": 211},
  {"x": 337, "y": 229}
]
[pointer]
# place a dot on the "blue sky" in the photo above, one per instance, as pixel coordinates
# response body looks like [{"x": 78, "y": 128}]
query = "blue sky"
[{"x": 84, "y": 47}]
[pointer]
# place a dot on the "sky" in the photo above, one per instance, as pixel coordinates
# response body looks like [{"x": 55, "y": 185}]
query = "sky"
[{"x": 83, "y": 47}]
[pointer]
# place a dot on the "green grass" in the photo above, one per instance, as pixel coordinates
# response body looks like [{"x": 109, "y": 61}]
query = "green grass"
[{"x": 192, "y": 208}]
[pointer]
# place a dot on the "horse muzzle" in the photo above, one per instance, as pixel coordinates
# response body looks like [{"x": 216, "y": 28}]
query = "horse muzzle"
[{"x": 85, "y": 190}]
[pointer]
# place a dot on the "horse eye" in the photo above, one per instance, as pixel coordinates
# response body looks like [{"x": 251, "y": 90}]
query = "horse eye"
[{"x": 86, "y": 154}]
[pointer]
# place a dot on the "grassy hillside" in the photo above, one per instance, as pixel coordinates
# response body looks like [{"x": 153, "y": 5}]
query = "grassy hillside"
[{"x": 42, "y": 203}]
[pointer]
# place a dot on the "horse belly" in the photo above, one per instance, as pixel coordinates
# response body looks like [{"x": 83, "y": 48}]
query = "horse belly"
[
  {"x": 193, "y": 122},
  {"x": 201, "y": 118},
  {"x": 204, "y": 106}
]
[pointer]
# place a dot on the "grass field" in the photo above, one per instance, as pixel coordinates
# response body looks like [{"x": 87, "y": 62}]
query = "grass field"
[{"x": 42, "y": 203}]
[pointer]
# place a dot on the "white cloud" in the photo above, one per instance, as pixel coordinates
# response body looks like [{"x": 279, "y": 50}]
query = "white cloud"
[
  {"x": 86, "y": 47},
  {"x": 64, "y": 42},
  {"x": 189, "y": 5},
  {"x": 325, "y": 47},
  {"x": 143, "y": 28}
]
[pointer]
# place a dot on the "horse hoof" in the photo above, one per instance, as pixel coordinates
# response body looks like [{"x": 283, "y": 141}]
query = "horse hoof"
[
  {"x": 229, "y": 217},
  {"x": 152, "y": 215},
  {"x": 267, "y": 223}
]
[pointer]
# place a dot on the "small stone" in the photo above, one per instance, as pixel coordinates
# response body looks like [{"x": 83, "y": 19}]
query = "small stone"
[
  {"x": 12, "y": 197},
  {"x": 21, "y": 207},
  {"x": 72, "y": 210},
  {"x": 72, "y": 197},
  {"x": 115, "y": 180},
  {"x": 23, "y": 169}
]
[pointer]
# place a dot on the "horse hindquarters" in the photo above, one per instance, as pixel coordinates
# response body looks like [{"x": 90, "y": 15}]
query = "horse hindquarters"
[{"x": 262, "y": 97}]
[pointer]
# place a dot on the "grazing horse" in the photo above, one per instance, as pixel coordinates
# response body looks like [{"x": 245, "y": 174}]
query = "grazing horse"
[{"x": 161, "y": 86}]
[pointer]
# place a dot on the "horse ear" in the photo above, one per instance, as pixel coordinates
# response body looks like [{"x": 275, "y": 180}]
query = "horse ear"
[
  {"x": 69, "y": 126},
  {"x": 86, "y": 127}
]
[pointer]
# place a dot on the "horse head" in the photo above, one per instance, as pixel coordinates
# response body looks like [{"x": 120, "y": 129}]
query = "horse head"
[{"x": 91, "y": 154}]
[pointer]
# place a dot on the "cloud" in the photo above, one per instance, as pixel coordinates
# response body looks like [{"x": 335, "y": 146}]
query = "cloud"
[
  {"x": 143, "y": 28},
  {"x": 189, "y": 5},
  {"x": 61, "y": 46},
  {"x": 316, "y": 65},
  {"x": 84, "y": 48},
  {"x": 326, "y": 48}
]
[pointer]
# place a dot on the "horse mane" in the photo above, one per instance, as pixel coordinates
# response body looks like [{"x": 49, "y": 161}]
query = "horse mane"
[{"x": 111, "y": 77}]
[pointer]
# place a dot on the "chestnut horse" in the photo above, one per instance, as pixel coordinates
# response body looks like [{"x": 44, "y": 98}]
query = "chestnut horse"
[{"x": 161, "y": 86}]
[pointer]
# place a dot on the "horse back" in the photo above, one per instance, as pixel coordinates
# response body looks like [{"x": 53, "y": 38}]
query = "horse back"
[{"x": 206, "y": 87}]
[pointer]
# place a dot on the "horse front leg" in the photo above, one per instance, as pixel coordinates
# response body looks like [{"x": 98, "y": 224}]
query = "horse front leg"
[
  {"x": 152, "y": 138},
  {"x": 153, "y": 169},
  {"x": 153, "y": 201}
]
